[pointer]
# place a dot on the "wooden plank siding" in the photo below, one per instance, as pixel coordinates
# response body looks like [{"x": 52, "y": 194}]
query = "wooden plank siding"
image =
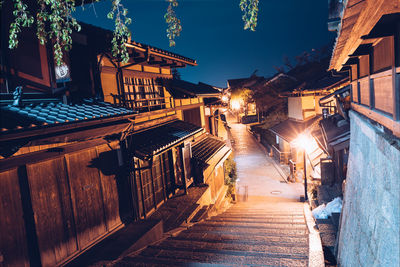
[
  {"x": 354, "y": 91},
  {"x": 74, "y": 198},
  {"x": 383, "y": 91},
  {"x": 13, "y": 242},
  {"x": 51, "y": 203},
  {"x": 364, "y": 85},
  {"x": 86, "y": 196},
  {"x": 109, "y": 175},
  {"x": 376, "y": 95}
]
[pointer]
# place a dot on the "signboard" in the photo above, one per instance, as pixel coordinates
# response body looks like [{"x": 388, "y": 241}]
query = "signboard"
[
  {"x": 63, "y": 73},
  {"x": 207, "y": 111}
]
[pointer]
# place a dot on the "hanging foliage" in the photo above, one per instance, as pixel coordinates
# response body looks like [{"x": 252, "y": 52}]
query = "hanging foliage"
[
  {"x": 54, "y": 21},
  {"x": 22, "y": 19},
  {"x": 174, "y": 24},
  {"x": 121, "y": 31},
  {"x": 250, "y": 12}
]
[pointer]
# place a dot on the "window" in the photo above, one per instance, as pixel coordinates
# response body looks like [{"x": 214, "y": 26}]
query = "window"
[
  {"x": 143, "y": 94},
  {"x": 192, "y": 116}
]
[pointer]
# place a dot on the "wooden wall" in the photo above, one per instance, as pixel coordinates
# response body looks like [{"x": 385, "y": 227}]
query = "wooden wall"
[{"x": 75, "y": 199}]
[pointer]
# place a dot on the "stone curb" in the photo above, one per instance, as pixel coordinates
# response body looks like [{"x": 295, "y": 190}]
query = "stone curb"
[{"x": 315, "y": 252}]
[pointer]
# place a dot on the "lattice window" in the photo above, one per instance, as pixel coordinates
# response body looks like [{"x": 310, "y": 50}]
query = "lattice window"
[{"x": 144, "y": 93}]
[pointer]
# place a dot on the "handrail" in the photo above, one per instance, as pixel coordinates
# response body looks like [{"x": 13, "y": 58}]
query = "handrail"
[
  {"x": 280, "y": 156},
  {"x": 143, "y": 105}
]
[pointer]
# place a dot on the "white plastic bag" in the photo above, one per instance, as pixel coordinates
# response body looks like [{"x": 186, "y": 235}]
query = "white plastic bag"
[
  {"x": 319, "y": 212},
  {"x": 334, "y": 206}
]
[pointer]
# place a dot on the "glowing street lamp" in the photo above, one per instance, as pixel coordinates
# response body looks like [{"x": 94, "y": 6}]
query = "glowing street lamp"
[
  {"x": 308, "y": 145},
  {"x": 235, "y": 104}
]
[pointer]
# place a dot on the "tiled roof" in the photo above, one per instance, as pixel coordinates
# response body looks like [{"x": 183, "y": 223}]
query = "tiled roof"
[
  {"x": 290, "y": 129},
  {"x": 38, "y": 114},
  {"x": 335, "y": 129},
  {"x": 108, "y": 33},
  {"x": 206, "y": 148},
  {"x": 156, "y": 140}
]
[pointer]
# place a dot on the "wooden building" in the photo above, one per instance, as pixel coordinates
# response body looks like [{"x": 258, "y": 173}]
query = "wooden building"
[
  {"x": 304, "y": 114},
  {"x": 204, "y": 99},
  {"x": 91, "y": 145},
  {"x": 368, "y": 47},
  {"x": 371, "y": 55}
]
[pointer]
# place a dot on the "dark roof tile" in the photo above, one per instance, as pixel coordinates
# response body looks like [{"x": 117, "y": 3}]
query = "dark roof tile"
[
  {"x": 36, "y": 114},
  {"x": 206, "y": 148},
  {"x": 290, "y": 129},
  {"x": 155, "y": 140}
]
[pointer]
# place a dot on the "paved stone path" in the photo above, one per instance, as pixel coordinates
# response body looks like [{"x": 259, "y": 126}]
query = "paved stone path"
[
  {"x": 256, "y": 170},
  {"x": 272, "y": 234},
  {"x": 268, "y": 229}
]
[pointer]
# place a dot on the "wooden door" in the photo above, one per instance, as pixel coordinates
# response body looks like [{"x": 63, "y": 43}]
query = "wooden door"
[
  {"x": 178, "y": 166},
  {"x": 86, "y": 194},
  {"x": 147, "y": 186},
  {"x": 13, "y": 243},
  {"x": 168, "y": 172},
  {"x": 158, "y": 180},
  {"x": 51, "y": 204},
  {"x": 187, "y": 167}
]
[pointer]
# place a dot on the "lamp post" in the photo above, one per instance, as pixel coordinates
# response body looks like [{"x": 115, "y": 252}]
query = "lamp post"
[
  {"x": 235, "y": 104},
  {"x": 305, "y": 174},
  {"x": 305, "y": 142}
]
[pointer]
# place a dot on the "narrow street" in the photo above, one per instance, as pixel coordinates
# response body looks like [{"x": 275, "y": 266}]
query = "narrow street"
[
  {"x": 256, "y": 170},
  {"x": 268, "y": 228}
]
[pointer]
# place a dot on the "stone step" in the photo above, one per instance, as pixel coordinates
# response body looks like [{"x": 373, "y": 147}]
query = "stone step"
[
  {"x": 328, "y": 240},
  {"x": 258, "y": 221},
  {"x": 166, "y": 261},
  {"x": 179, "y": 244},
  {"x": 160, "y": 262},
  {"x": 220, "y": 256},
  {"x": 201, "y": 214},
  {"x": 247, "y": 231},
  {"x": 260, "y": 215},
  {"x": 327, "y": 228},
  {"x": 253, "y": 225},
  {"x": 299, "y": 240}
]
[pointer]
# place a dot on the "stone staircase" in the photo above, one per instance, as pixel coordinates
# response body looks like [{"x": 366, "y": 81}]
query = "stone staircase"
[{"x": 248, "y": 233}]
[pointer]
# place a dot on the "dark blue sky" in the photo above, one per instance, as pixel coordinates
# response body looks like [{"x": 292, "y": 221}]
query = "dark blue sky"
[{"x": 213, "y": 33}]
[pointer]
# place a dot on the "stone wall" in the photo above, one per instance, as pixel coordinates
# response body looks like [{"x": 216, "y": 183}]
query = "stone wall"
[{"x": 369, "y": 234}]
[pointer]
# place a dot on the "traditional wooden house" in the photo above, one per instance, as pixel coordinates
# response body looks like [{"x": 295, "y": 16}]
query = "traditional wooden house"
[
  {"x": 63, "y": 159},
  {"x": 304, "y": 113},
  {"x": 205, "y": 100},
  {"x": 88, "y": 146},
  {"x": 368, "y": 46},
  {"x": 333, "y": 136}
]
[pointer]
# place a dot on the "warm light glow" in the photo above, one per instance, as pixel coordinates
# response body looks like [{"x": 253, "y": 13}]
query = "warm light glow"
[
  {"x": 225, "y": 98},
  {"x": 306, "y": 142},
  {"x": 235, "y": 104}
]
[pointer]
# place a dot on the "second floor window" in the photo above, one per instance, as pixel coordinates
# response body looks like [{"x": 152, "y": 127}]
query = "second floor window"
[{"x": 144, "y": 94}]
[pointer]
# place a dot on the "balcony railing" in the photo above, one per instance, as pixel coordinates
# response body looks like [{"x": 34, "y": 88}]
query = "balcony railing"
[
  {"x": 144, "y": 105},
  {"x": 281, "y": 157},
  {"x": 377, "y": 97}
]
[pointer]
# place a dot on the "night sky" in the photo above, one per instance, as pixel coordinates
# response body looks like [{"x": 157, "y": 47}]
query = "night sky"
[{"x": 213, "y": 33}]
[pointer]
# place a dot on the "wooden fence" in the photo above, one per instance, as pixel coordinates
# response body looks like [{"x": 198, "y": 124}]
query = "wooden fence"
[{"x": 54, "y": 205}]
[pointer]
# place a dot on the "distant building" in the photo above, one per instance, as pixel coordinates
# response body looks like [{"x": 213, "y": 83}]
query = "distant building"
[{"x": 304, "y": 113}]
